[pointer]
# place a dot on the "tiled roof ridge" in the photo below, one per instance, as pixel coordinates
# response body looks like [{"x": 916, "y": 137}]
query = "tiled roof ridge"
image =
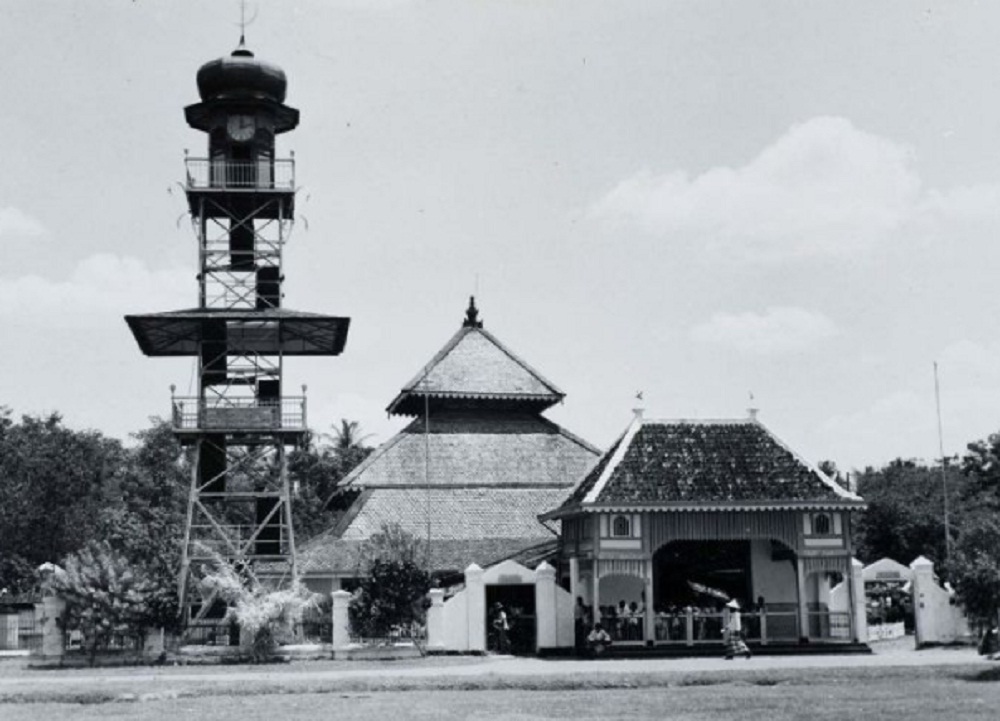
[
  {"x": 526, "y": 486},
  {"x": 337, "y": 529},
  {"x": 344, "y": 522},
  {"x": 700, "y": 421},
  {"x": 523, "y": 363},
  {"x": 622, "y": 446},
  {"x": 833, "y": 485},
  {"x": 369, "y": 460},
  {"x": 429, "y": 366},
  {"x": 580, "y": 441}
]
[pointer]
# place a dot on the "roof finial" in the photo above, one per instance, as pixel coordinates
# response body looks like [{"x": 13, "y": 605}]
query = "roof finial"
[
  {"x": 639, "y": 410},
  {"x": 242, "y": 47},
  {"x": 753, "y": 409},
  {"x": 472, "y": 315}
]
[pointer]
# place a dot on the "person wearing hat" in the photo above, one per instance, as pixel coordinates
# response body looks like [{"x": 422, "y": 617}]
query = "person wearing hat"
[{"x": 732, "y": 634}]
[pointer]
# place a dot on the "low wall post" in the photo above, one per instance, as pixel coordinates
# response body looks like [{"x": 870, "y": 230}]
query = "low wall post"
[
  {"x": 341, "y": 620},
  {"x": 53, "y": 637},
  {"x": 435, "y": 620}
]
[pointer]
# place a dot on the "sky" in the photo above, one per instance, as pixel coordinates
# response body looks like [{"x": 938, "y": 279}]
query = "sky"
[{"x": 695, "y": 200}]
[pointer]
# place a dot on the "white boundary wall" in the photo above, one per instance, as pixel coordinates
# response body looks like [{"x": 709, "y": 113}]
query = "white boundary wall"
[
  {"x": 459, "y": 624},
  {"x": 937, "y": 615}
]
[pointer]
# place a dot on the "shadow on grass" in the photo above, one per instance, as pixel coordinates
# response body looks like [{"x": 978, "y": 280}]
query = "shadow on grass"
[{"x": 989, "y": 674}]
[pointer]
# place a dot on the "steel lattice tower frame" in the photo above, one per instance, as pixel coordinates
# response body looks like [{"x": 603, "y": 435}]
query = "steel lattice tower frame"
[{"x": 240, "y": 424}]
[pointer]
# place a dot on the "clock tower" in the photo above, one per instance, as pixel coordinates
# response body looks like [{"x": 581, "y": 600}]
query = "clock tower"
[{"x": 240, "y": 422}]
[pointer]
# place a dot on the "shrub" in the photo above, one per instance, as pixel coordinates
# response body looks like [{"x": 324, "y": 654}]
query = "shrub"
[{"x": 393, "y": 585}]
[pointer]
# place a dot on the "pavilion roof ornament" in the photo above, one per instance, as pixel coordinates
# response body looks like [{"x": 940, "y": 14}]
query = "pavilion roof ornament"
[{"x": 472, "y": 315}]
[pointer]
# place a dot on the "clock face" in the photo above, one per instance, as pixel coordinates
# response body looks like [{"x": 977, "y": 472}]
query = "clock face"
[{"x": 241, "y": 127}]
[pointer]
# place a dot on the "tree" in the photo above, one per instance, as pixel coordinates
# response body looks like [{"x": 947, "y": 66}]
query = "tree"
[
  {"x": 975, "y": 570},
  {"x": 317, "y": 468},
  {"x": 349, "y": 445},
  {"x": 982, "y": 465},
  {"x": 146, "y": 522},
  {"x": 106, "y": 596},
  {"x": 393, "y": 584},
  {"x": 905, "y": 514},
  {"x": 54, "y": 482},
  {"x": 263, "y": 614}
]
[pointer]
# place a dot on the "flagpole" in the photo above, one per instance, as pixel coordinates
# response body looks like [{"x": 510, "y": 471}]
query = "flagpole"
[
  {"x": 427, "y": 472},
  {"x": 944, "y": 474}
]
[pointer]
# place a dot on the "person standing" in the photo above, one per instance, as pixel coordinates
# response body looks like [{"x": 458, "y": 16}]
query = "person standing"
[
  {"x": 581, "y": 622},
  {"x": 732, "y": 634},
  {"x": 502, "y": 627}
]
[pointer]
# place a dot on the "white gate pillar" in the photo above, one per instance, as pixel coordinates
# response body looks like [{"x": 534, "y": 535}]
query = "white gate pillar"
[
  {"x": 476, "y": 608},
  {"x": 923, "y": 580},
  {"x": 545, "y": 606},
  {"x": 860, "y": 602}
]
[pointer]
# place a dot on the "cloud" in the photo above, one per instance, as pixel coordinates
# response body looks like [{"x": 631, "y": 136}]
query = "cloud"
[
  {"x": 100, "y": 288},
  {"x": 903, "y": 422},
  {"x": 15, "y": 223},
  {"x": 824, "y": 188},
  {"x": 777, "y": 330}
]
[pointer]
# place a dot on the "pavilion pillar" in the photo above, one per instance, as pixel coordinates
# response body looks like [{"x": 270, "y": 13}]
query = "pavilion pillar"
[
  {"x": 800, "y": 579},
  {"x": 596, "y": 576},
  {"x": 650, "y": 616},
  {"x": 596, "y": 591},
  {"x": 574, "y": 578}
]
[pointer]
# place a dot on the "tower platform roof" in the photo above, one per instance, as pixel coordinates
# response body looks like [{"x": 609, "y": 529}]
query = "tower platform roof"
[{"x": 271, "y": 331}]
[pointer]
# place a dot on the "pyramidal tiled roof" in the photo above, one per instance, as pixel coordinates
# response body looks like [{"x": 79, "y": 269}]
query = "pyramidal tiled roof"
[
  {"x": 474, "y": 365},
  {"x": 478, "y": 469},
  {"x": 477, "y": 448},
  {"x": 703, "y": 464}
]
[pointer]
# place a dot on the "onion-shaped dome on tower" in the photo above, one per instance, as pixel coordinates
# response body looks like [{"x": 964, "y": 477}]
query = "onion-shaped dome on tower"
[{"x": 241, "y": 76}]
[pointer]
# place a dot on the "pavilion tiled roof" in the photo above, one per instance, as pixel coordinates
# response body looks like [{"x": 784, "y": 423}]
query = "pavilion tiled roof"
[{"x": 703, "y": 464}]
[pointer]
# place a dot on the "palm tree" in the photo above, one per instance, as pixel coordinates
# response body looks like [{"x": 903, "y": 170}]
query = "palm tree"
[{"x": 349, "y": 447}]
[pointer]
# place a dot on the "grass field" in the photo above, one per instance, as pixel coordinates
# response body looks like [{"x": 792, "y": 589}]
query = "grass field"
[{"x": 929, "y": 692}]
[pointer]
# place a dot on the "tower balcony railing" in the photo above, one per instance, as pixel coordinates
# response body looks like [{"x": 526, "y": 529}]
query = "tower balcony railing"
[
  {"x": 239, "y": 415},
  {"x": 240, "y": 175}
]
